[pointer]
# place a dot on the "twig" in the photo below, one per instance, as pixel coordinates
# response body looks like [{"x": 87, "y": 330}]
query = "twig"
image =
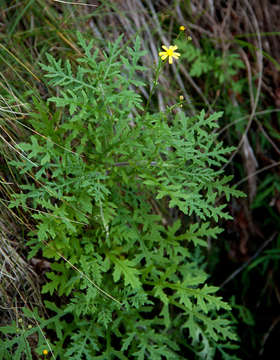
[
  {"x": 257, "y": 172},
  {"x": 74, "y": 3},
  {"x": 266, "y": 336},
  {"x": 241, "y": 268}
]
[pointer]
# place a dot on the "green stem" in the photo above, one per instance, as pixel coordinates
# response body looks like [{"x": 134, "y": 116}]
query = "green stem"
[{"x": 155, "y": 83}]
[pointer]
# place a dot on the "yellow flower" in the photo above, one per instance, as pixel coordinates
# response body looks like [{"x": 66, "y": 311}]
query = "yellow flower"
[
  {"x": 169, "y": 52},
  {"x": 181, "y": 97},
  {"x": 45, "y": 352},
  {"x": 182, "y": 28}
]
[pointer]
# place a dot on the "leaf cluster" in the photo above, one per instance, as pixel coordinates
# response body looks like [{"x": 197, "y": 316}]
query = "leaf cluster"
[
  {"x": 219, "y": 68},
  {"x": 103, "y": 173}
]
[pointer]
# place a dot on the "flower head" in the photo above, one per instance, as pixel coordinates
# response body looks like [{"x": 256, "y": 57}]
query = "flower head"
[
  {"x": 182, "y": 28},
  {"x": 169, "y": 52},
  {"x": 45, "y": 352}
]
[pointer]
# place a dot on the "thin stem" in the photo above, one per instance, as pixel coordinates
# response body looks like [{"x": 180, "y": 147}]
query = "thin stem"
[{"x": 155, "y": 83}]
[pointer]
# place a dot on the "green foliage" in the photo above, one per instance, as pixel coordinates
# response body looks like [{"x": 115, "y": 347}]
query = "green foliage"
[
  {"x": 19, "y": 338},
  {"x": 101, "y": 172},
  {"x": 208, "y": 61}
]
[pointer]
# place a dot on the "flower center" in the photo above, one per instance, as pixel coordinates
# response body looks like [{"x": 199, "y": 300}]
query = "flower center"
[{"x": 169, "y": 52}]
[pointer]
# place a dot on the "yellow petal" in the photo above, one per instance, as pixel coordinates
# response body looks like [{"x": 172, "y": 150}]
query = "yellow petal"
[
  {"x": 176, "y": 54},
  {"x": 170, "y": 60},
  {"x": 164, "y": 47},
  {"x": 174, "y": 47},
  {"x": 164, "y": 56}
]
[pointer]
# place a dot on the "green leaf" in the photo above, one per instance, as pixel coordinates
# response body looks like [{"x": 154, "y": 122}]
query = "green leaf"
[{"x": 126, "y": 268}]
